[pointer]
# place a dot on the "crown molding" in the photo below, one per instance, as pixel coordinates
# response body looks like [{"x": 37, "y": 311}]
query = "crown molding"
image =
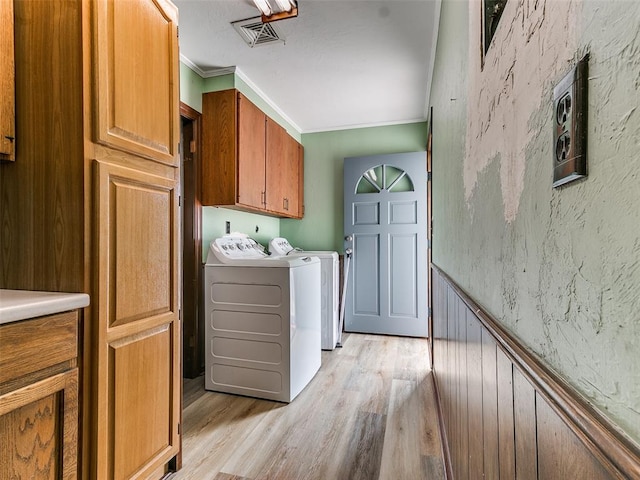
[
  {"x": 240, "y": 74},
  {"x": 209, "y": 73},
  {"x": 364, "y": 125}
]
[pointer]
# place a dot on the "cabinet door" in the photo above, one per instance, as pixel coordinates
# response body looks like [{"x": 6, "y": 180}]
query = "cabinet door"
[
  {"x": 137, "y": 368},
  {"x": 137, "y": 94},
  {"x": 251, "y": 154},
  {"x": 39, "y": 429},
  {"x": 294, "y": 180},
  {"x": 7, "y": 82},
  {"x": 276, "y": 167}
]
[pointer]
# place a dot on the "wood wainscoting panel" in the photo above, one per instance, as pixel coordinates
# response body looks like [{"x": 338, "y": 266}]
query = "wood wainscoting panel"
[
  {"x": 560, "y": 453},
  {"x": 137, "y": 83},
  {"x": 524, "y": 406},
  {"x": 506, "y": 431},
  {"x": 489, "y": 405},
  {"x": 474, "y": 395},
  {"x": 519, "y": 419}
]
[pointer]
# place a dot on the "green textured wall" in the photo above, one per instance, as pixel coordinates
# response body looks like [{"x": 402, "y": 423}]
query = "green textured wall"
[
  {"x": 560, "y": 268},
  {"x": 214, "y": 221},
  {"x": 191, "y": 85},
  {"x": 324, "y": 153}
]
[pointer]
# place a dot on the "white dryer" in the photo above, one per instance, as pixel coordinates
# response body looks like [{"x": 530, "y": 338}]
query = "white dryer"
[
  {"x": 262, "y": 331},
  {"x": 330, "y": 288}
]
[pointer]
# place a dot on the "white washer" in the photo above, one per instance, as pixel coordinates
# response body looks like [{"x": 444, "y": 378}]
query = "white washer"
[
  {"x": 262, "y": 332},
  {"x": 330, "y": 288}
]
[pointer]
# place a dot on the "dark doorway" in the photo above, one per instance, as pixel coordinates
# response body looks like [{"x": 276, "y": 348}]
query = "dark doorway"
[{"x": 192, "y": 323}]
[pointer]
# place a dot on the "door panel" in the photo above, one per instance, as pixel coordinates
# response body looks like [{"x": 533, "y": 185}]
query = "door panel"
[
  {"x": 138, "y": 363},
  {"x": 141, "y": 271},
  {"x": 366, "y": 275},
  {"x": 141, "y": 399},
  {"x": 385, "y": 218},
  {"x": 366, "y": 213},
  {"x": 137, "y": 92},
  {"x": 403, "y": 276}
]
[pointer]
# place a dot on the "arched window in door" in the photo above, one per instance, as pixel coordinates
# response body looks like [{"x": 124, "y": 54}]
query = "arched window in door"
[{"x": 384, "y": 177}]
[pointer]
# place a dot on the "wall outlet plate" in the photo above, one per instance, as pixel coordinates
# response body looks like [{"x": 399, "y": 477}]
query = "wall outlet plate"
[{"x": 570, "y": 125}]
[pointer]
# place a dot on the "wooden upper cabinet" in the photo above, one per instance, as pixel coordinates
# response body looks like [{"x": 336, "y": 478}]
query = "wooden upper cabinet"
[
  {"x": 283, "y": 172},
  {"x": 137, "y": 92},
  {"x": 233, "y": 138},
  {"x": 7, "y": 82},
  {"x": 249, "y": 161}
]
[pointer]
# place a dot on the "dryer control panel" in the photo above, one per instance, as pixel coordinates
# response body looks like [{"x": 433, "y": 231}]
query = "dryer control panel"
[{"x": 280, "y": 246}]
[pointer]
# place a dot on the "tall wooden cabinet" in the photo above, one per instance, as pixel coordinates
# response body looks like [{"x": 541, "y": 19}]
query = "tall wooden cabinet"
[
  {"x": 249, "y": 161},
  {"x": 91, "y": 205}
]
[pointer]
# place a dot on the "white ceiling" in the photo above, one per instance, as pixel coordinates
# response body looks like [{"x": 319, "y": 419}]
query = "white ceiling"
[{"x": 345, "y": 64}]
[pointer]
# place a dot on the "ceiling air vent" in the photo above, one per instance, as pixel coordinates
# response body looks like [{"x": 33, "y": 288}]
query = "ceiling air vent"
[{"x": 256, "y": 33}]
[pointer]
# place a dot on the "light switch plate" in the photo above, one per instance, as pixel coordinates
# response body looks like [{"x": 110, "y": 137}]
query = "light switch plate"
[{"x": 570, "y": 126}]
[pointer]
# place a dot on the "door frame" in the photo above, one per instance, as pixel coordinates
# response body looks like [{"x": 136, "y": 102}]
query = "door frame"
[
  {"x": 192, "y": 353},
  {"x": 430, "y": 235}
]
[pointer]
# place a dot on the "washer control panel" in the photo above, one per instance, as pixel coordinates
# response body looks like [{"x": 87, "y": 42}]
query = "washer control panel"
[{"x": 237, "y": 247}]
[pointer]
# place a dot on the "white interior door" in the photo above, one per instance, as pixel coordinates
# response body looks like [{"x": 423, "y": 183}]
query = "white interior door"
[{"x": 385, "y": 225}]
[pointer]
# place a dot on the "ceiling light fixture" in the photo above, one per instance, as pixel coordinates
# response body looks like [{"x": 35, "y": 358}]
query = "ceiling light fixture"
[{"x": 273, "y": 10}]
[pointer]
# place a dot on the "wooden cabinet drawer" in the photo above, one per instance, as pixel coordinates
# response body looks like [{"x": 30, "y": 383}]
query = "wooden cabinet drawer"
[{"x": 31, "y": 345}]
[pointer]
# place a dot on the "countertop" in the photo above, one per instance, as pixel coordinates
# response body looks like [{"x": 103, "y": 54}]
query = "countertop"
[{"x": 22, "y": 304}]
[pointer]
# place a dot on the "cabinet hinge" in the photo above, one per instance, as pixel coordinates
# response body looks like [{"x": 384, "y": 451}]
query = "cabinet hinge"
[
  {"x": 179, "y": 200},
  {"x": 179, "y": 429},
  {"x": 192, "y": 146},
  {"x": 429, "y": 312},
  {"x": 428, "y": 176}
]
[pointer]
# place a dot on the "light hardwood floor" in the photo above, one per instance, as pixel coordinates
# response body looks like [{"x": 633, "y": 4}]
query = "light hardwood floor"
[{"x": 369, "y": 413}]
